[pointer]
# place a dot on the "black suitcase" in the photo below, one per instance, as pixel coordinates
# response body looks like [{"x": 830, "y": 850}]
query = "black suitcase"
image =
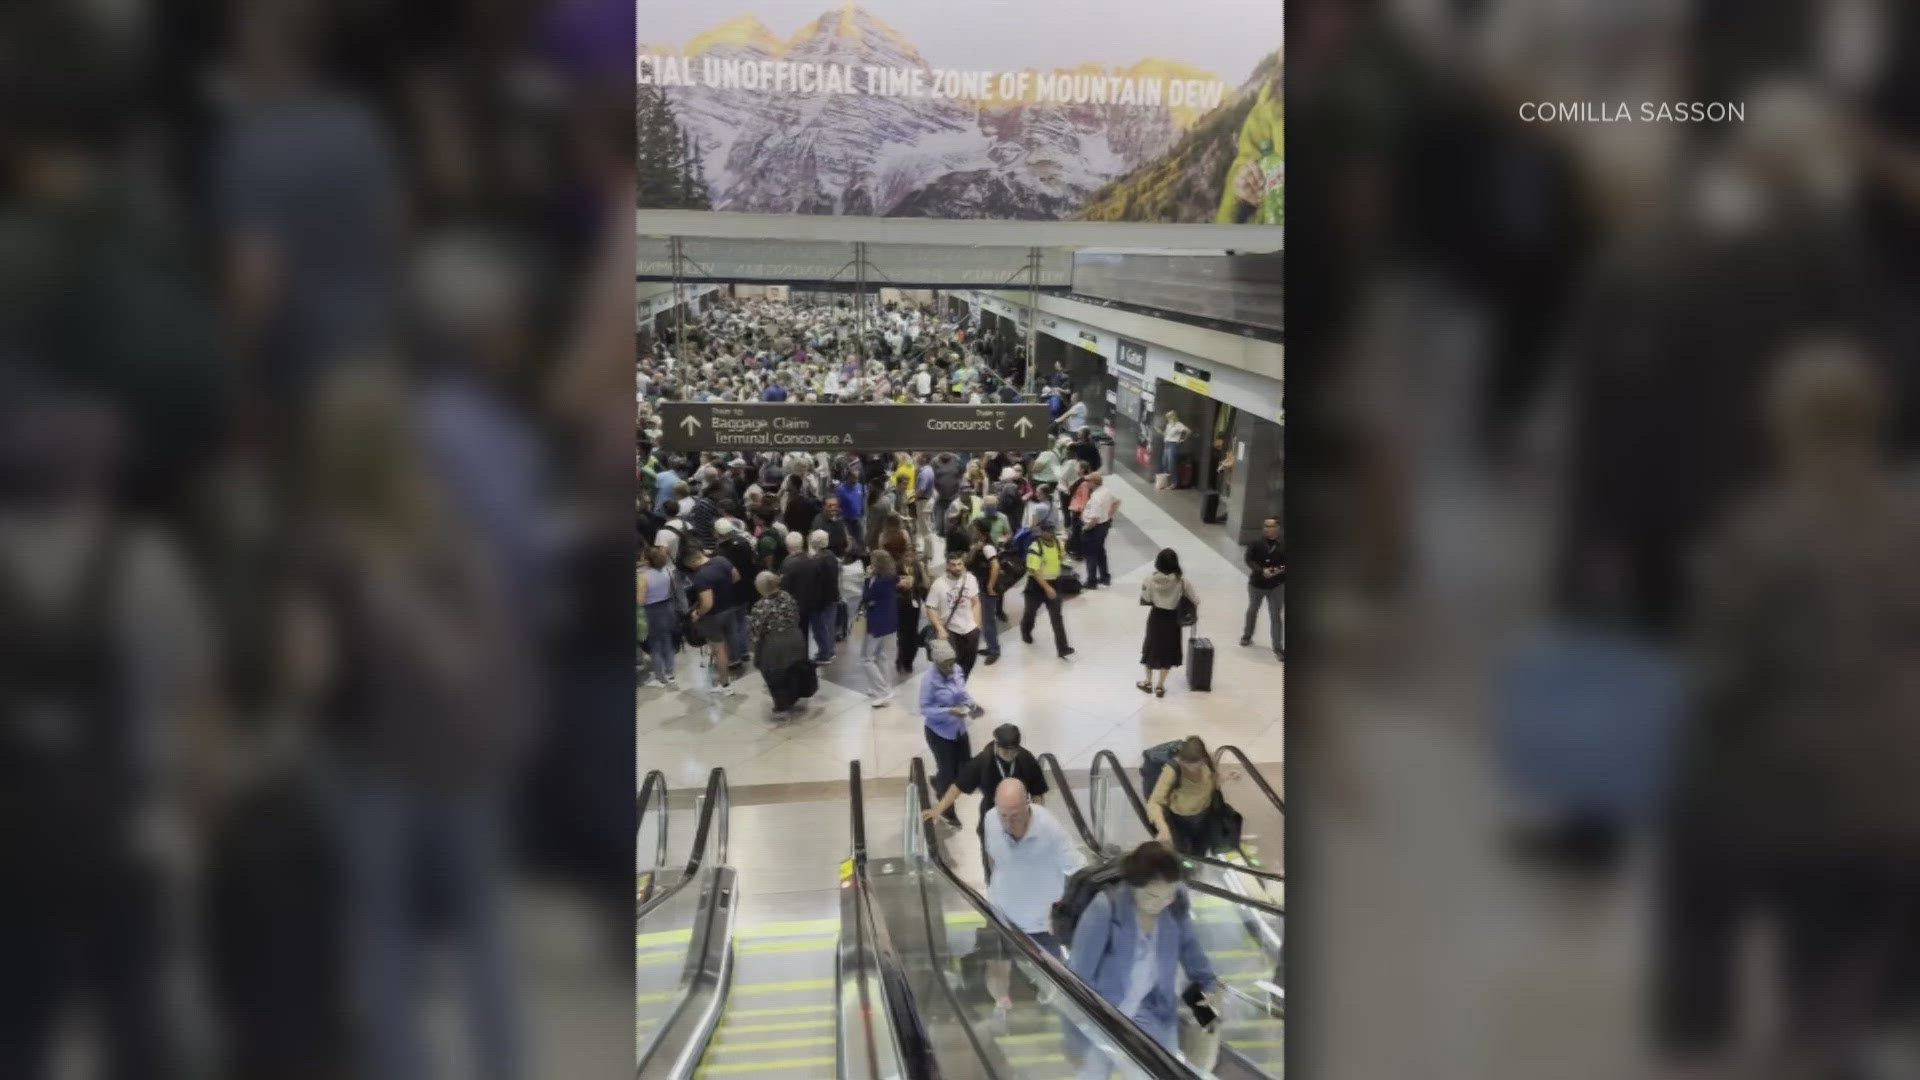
[
  {"x": 1210, "y": 508},
  {"x": 1199, "y": 663}
]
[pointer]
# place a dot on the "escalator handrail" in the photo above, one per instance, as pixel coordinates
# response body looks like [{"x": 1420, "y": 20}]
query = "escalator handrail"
[
  {"x": 1136, "y": 1044},
  {"x": 1057, "y": 780},
  {"x": 1220, "y": 753},
  {"x": 910, "y": 1034},
  {"x": 716, "y": 796},
  {"x": 1140, "y": 808},
  {"x": 653, "y": 787}
]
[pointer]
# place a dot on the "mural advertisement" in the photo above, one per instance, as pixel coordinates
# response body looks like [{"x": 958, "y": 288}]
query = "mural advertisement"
[{"x": 1071, "y": 110}]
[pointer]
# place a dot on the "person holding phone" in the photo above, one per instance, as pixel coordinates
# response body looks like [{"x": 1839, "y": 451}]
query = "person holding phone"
[
  {"x": 946, "y": 706},
  {"x": 1132, "y": 942}
]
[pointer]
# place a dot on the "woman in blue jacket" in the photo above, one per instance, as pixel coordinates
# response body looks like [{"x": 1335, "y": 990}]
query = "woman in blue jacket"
[{"x": 1133, "y": 938}]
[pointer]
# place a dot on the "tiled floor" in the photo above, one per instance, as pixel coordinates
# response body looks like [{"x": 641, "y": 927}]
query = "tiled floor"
[{"x": 1069, "y": 707}]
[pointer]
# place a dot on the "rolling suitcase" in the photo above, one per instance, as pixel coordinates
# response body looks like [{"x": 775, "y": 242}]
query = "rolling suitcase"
[
  {"x": 1199, "y": 663},
  {"x": 1210, "y": 508}
]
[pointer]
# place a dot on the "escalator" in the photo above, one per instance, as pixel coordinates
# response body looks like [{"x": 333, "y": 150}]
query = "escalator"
[
  {"x": 657, "y": 877},
  {"x": 683, "y": 958},
  {"x": 784, "y": 1000},
  {"x": 949, "y": 937},
  {"x": 1235, "y": 912}
]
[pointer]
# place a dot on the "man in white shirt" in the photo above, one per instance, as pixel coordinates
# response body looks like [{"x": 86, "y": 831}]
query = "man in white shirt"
[
  {"x": 953, "y": 610},
  {"x": 1096, "y": 523},
  {"x": 922, "y": 383},
  {"x": 1032, "y": 858},
  {"x": 1076, "y": 415}
]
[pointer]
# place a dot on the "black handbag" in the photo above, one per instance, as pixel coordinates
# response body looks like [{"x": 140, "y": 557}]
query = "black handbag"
[
  {"x": 1186, "y": 611},
  {"x": 1224, "y": 824}
]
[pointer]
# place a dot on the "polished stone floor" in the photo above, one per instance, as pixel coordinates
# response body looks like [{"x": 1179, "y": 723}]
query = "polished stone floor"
[{"x": 1072, "y": 707}]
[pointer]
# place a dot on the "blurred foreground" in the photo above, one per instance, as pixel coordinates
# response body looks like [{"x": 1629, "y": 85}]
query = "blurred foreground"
[
  {"x": 1606, "y": 707},
  {"x": 314, "y": 531}
]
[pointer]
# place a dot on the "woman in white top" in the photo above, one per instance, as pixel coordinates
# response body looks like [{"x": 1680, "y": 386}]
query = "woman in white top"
[{"x": 1176, "y": 434}]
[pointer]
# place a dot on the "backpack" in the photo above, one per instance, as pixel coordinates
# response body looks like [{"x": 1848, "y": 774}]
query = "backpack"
[
  {"x": 687, "y": 544},
  {"x": 1086, "y": 883},
  {"x": 1154, "y": 759},
  {"x": 1013, "y": 567}
]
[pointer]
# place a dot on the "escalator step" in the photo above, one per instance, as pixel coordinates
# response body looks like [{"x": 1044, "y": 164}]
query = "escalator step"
[
  {"x": 794, "y": 987},
  {"x": 728, "y": 1027},
  {"x": 737, "y": 1047},
  {"x": 811, "y": 1065},
  {"x": 793, "y": 1010}
]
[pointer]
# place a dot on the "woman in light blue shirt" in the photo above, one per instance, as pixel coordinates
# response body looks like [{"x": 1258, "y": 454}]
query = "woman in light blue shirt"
[
  {"x": 1134, "y": 938},
  {"x": 656, "y": 599}
]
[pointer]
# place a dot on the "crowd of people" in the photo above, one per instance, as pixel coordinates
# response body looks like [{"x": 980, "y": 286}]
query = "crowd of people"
[
  {"x": 773, "y": 351},
  {"x": 778, "y": 558}
]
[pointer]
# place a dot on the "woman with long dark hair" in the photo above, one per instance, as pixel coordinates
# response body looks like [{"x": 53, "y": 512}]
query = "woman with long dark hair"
[{"x": 1168, "y": 596}]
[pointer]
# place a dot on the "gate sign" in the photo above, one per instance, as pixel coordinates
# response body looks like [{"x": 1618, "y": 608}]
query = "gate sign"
[{"x": 781, "y": 426}]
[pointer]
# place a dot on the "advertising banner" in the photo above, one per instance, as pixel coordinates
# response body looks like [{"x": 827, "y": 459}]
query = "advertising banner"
[{"x": 1069, "y": 110}]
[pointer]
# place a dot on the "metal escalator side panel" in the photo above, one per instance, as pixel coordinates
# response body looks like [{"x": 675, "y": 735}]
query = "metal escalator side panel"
[
  {"x": 715, "y": 807},
  {"x": 676, "y": 1044},
  {"x": 902, "y": 1050},
  {"x": 681, "y": 1040},
  {"x": 652, "y": 797}
]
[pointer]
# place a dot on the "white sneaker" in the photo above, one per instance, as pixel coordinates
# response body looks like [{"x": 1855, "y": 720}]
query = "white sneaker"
[
  {"x": 880, "y": 702},
  {"x": 669, "y": 683},
  {"x": 726, "y": 690}
]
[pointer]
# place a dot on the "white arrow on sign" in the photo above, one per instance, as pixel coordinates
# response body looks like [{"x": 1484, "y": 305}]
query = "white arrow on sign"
[
  {"x": 690, "y": 423},
  {"x": 1023, "y": 425}
]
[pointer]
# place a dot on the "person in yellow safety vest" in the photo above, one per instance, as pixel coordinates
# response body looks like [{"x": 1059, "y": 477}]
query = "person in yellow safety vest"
[{"x": 1255, "y": 181}]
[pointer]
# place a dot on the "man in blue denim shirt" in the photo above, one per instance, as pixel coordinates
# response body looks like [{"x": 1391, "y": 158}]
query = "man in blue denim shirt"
[{"x": 946, "y": 706}]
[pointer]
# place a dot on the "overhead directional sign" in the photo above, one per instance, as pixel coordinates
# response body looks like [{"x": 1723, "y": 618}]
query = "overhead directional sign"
[{"x": 687, "y": 425}]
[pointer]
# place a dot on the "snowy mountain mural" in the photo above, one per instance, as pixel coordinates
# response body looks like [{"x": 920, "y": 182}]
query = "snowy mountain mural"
[{"x": 819, "y": 153}]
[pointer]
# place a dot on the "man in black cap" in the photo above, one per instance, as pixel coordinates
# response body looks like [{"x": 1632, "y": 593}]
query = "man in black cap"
[{"x": 982, "y": 773}]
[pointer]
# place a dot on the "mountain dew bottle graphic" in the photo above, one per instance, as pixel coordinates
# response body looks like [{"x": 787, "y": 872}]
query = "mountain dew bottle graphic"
[
  {"x": 1273, "y": 178},
  {"x": 1256, "y": 180}
]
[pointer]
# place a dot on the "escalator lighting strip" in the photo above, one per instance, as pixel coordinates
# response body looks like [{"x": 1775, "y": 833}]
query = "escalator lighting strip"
[
  {"x": 802, "y": 945},
  {"x": 806, "y": 928},
  {"x": 1037, "y": 1037}
]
